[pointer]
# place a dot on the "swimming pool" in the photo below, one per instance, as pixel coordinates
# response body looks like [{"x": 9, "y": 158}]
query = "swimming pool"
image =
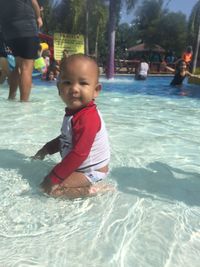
[{"x": 152, "y": 220}]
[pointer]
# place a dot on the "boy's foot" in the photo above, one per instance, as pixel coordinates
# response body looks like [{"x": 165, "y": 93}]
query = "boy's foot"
[{"x": 101, "y": 188}]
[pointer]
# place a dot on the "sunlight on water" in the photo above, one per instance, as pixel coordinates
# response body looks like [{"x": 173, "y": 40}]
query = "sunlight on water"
[{"x": 152, "y": 220}]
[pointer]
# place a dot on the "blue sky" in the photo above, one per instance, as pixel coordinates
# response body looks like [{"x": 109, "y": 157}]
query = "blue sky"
[{"x": 185, "y": 6}]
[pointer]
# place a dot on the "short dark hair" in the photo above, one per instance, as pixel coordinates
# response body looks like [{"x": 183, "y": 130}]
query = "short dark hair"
[{"x": 69, "y": 59}]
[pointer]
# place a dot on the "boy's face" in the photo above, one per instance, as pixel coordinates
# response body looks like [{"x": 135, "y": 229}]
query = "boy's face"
[{"x": 78, "y": 83}]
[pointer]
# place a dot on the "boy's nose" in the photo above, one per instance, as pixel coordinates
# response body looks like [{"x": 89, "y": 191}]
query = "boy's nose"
[{"x": 75, "y": 87}]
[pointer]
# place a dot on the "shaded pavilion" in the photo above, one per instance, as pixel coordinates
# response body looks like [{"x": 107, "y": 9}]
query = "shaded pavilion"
[
  {"x": 154, "y": 54},
  {"x": 143, "y": 48}
]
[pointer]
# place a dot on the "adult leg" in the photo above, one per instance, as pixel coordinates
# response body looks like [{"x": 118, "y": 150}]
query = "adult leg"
[
  {"x": 13, "y": 83},
  {"x": 5, "y": 72},
  {"x": 25, "y": 77}
]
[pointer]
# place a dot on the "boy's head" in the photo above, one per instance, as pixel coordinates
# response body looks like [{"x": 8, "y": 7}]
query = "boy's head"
[{"x": 79, "y": 81}]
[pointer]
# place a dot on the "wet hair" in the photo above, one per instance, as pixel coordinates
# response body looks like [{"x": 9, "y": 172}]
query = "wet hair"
[
  {"x": 143, "y": 58},
  {"x": 179, "y": 63},
  {"x": 189, "y": 49},
  {"x": 67, "y": 60}
]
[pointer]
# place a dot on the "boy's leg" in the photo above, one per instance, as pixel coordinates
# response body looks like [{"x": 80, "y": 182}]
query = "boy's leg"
[
  {"x": 76, "y": 185},
  {"x": 75, "y": 192}
]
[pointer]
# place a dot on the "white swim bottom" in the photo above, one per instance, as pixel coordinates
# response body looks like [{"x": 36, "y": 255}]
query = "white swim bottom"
[{"x": 95, "y": 176}]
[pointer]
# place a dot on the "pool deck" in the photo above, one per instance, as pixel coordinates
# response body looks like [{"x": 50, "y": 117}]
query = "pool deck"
[
  {"x": 150, "y": 74},
  {"x": 191, "y": 80},
  {"x": 194, "y": 80}
]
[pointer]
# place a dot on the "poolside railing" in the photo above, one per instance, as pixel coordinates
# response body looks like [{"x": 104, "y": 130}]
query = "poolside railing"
[{"x": 129, "y": 67}]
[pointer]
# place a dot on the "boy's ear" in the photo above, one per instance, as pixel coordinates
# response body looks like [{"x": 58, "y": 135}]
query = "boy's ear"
[
  {"x": 97, "y": 90},
  {"x": 98, "y": 87}
]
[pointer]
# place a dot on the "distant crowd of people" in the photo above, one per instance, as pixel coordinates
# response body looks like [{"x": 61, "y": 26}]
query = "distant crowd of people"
[
  {"x": 183, "y": 67},
  {"x": 45, "y": 65}
]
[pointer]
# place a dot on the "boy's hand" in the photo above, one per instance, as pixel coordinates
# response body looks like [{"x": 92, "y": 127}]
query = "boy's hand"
[
  {"x": 47, "y": 186},
  {"x": 40, "y": 154}
]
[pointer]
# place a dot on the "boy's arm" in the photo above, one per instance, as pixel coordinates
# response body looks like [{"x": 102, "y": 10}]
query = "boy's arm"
[
  {"x": 53, "y": 146},
  {"x": 84, "y": 133},
  {"x": 50, "y": 148},
  {"x": 36, "y": 8}
]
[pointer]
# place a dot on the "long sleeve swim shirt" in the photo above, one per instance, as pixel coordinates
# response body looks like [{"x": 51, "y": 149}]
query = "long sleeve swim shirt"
[{"x": 83, "y": 143}]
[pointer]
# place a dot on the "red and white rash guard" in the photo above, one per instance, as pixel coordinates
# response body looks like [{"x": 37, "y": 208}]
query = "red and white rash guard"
[{"x": 83, "y": 143}]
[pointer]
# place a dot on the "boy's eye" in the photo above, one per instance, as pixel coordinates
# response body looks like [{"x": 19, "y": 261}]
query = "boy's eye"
[
  {"x": 83, "y": 83},
  {"x": 66, "y": 82}
]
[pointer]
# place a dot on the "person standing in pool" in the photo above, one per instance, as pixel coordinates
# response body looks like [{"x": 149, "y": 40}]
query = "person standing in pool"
[
  {"x": 83, "y": 142},
  {"x": 142, "y": 70},
  {"x": 180, "y": 73},
  {"x": 20, "y": 20}
]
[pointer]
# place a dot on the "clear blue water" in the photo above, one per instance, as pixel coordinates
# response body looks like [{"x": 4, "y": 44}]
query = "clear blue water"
[{"x": 152, "y": 220}]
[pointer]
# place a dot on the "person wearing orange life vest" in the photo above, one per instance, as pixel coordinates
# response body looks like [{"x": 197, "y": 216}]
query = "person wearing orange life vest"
[{"x": 187, "y": 56}]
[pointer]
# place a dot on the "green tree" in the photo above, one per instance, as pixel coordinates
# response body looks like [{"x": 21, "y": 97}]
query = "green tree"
[
  {"x": 70, "y": 16},
  {"x": 172, "y": 31},
  {"x": 49, "y": 18},
  {"x": 83, "y": 17},
  {"x": 98, "y": 21},
  {"x": 114, "y": 8},
  {"x": 148, "y": 17},
  {"x": 125, "y": 38},
  {"x": 156, "y": 25}
]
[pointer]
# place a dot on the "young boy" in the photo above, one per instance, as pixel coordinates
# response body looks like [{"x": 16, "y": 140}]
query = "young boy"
[{"x": 83, "y": 143}]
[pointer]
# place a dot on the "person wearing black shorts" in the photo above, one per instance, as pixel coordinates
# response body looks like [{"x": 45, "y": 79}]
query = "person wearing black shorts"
[{"x": 20, "y": 21}]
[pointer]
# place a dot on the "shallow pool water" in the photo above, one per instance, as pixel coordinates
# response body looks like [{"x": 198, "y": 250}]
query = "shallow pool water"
[{"x": 152, "y": 220}]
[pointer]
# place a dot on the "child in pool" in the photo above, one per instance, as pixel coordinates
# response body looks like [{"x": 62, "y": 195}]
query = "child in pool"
[
  {"x": 83, "y": 142},
  {"x": 180, "y": 73}
]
